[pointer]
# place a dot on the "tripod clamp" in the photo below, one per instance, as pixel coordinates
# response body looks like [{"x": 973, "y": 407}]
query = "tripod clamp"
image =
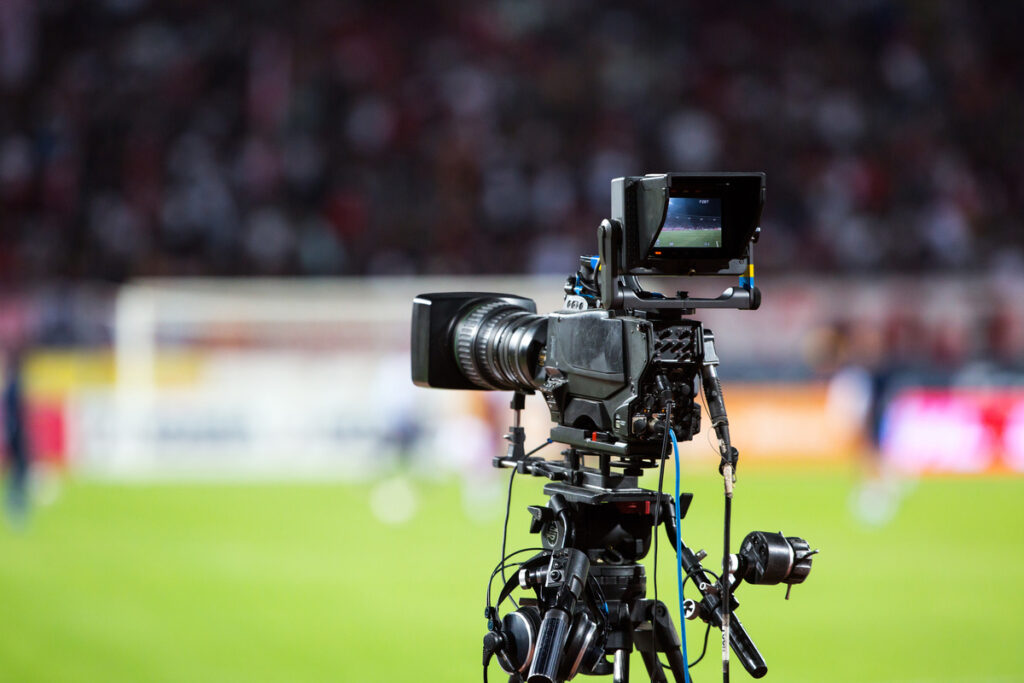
[{"x": 516, "y": 436}]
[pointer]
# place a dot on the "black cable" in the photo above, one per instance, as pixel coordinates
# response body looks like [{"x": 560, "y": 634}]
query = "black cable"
[
  {"x": 703, "y": 651},
  {"x": 508, "y": 506},
  {"x": 657, "y": 511},
  {"x": 604, "y": 601},
  {"x": 724, "y": 582},
  {"x": 504, "y": 530},
  {"x": 490, "y": 582},
  {"x": 725, "y": 590},
  {"x": 707, "y": 631},
  {"x": 546, "y": 443},
  {"x": 709, "y": 432},
  {"x": 505, "y": 565},
  {"x": 502, "y": 565},
  {"x": 689, "y": 575}
]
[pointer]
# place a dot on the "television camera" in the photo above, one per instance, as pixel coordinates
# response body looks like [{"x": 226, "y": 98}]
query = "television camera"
[{"x": 619, "y": 368}]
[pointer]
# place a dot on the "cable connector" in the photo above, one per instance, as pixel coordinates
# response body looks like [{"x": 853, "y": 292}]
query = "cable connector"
[
  {"x": 729, "y": 479},
  {"x": 731, "y": 460},
  {"x": 493, "y": 642},
  {"x": 491, "y": 614}
]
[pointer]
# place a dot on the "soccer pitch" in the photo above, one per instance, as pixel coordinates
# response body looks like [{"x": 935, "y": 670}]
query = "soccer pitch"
[
  {"x": 690, "y": 237},
  {"x": 294, "y": 582}
]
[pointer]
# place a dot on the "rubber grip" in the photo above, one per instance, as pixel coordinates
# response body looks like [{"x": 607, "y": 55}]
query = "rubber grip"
[
  {"x": 745, "y": 649},
  {"x": 554, "y": 632}
]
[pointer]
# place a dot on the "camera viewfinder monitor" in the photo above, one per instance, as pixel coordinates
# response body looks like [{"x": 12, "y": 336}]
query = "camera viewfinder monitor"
[{"x": 687, "y": 223}]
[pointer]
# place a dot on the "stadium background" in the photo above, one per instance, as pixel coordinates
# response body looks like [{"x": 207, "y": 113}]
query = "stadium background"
[{"x": 212, "y": 222}]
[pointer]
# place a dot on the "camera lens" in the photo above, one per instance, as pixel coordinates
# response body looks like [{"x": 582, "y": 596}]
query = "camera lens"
[{"x": 497, "y": 345}]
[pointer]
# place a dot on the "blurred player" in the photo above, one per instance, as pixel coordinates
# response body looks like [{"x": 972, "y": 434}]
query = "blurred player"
[
  {"x": 853, "y": 355},
  {"x": 15, "y": 442}
]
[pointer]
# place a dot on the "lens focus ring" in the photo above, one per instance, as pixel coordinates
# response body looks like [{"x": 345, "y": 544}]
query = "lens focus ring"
[
  {"x": 496, "y": 345},
  {"x": 467, "y": 335}
]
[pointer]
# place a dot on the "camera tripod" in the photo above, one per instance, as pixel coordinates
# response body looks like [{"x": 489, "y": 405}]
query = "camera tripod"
[
  {"x": 607, "y": 517},
  {"x": 591, "y": 592}
]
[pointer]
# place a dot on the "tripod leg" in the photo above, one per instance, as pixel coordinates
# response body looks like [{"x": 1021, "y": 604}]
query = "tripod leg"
[
  {"x": 654, "y": 634},
  {"x": 620, "y": 673},
  {"x": 643, "y": 637},
  {"x": 668, "y": 640},
  {"x": 653, "y": 667}
]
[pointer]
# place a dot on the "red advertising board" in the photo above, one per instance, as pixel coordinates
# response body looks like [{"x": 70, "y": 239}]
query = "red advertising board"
[{"x": 955, "y": 431}]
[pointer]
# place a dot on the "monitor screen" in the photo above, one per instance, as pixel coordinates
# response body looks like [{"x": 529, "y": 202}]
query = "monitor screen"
[{"x": 691, "y": 223}]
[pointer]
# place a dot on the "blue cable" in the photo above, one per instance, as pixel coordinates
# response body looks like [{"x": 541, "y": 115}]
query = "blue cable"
[{"x": 679, "y": 564}]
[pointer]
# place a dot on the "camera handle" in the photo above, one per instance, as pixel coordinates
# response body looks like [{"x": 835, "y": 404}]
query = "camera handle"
[
  {"x": 623, "y": 293},
  {"x": 711, "y": 608}
]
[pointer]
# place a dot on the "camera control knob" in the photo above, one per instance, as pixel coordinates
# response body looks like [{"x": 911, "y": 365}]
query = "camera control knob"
[
  {"x": 541, "y": 516},
  {"x": 639, "y": 424}
]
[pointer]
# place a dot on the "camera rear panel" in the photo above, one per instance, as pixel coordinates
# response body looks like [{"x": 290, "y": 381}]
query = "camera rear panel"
[{"x": 674, "y": 345}]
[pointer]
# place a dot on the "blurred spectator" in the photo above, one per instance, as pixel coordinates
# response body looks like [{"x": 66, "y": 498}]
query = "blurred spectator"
[{"x": 149, "y": 137}]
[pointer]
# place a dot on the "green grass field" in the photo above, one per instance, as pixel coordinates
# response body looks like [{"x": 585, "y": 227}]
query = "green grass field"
[
  {"x": 690, "y": 238},
  {"x": 281, "y": 582}
]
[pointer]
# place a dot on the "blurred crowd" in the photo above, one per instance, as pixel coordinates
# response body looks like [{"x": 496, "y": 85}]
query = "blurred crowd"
[{"x": 184, "y": 137}]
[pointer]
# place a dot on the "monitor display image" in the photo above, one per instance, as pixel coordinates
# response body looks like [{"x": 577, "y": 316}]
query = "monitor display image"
[{"x": 691, "y": 223}]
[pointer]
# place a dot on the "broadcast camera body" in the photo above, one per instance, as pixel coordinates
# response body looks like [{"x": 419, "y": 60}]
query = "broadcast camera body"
[
  {"x": 599, "y": 362},
  {"x": 619, "y": 368}
]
